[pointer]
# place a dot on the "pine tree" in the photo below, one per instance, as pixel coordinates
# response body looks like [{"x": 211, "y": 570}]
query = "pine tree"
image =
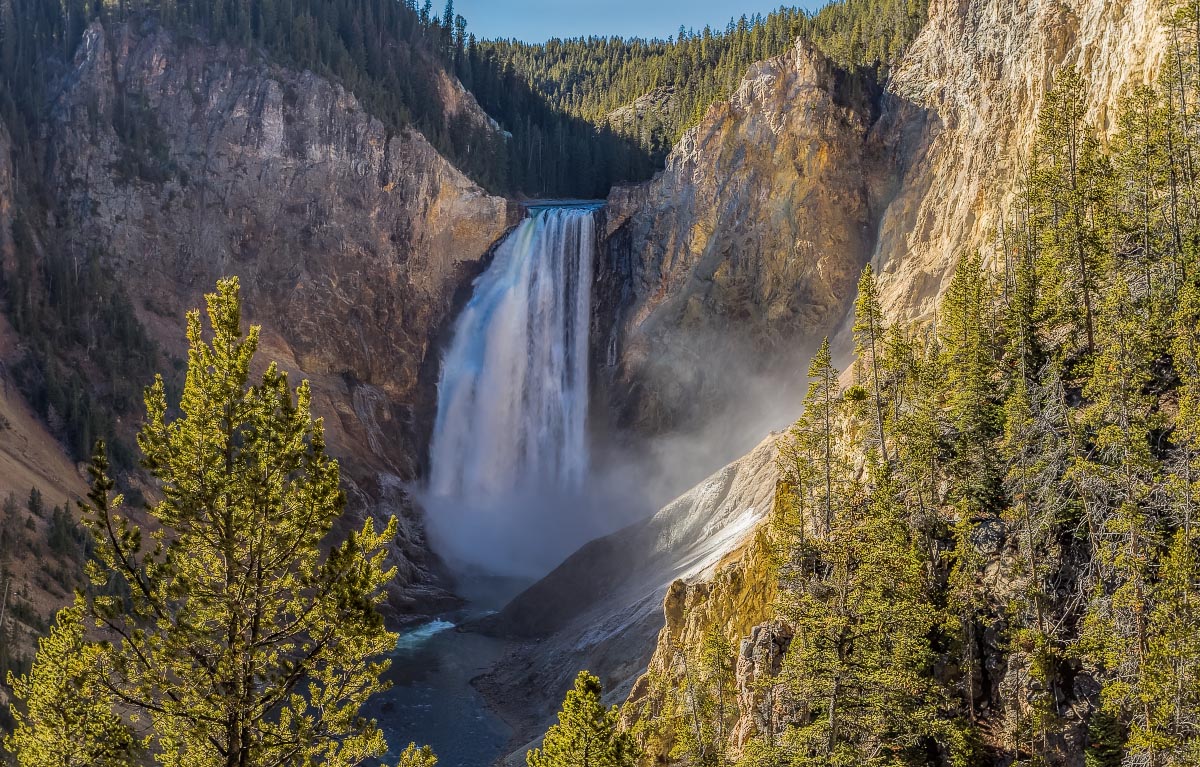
[
  {"x": 587, "y": 733},
  {"x": 1143, "y": 231},
  {"x": 1106, "y": 740},
  {"x": 859, "y": 666},
  {"x": 1170, "y": 683},
  {"x": 239, "y": 642},
  {"x": 919, "y": 434},
  {"x": 67, "y": 718},
  {"x": 870, "y": 330},
  {"x": 809, "y": 458},
  {"x": 1040, "y": 503},
  {"x": 1184, "y": 481},
  {"x": 1121, "y": 511},
  {"x": 968, "y": 338},
  {"x": 705, "y": 700},
  {"x": 412, "y": 756},
  {"x": 1069, "y": 182}
]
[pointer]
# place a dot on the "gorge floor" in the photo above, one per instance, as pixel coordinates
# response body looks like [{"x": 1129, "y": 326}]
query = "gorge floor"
[{"x": 432, "y": 700}]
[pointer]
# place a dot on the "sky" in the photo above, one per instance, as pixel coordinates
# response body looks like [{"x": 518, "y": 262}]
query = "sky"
[{"x": 538, "y": 20}]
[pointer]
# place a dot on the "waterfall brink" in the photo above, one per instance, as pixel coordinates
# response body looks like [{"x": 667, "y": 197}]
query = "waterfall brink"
[{"x": 513, "y": 393}]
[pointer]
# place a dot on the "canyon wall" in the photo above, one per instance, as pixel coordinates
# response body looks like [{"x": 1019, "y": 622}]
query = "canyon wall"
[
  {"x": 976, "y": 76},
  {"x": 182, "y": 161},
  {"x": 745, "y": 248},
  {"x": 769, "y": 209}
]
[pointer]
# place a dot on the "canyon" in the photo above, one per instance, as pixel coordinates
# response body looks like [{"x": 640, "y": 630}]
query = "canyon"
[
  {"x": 713, "y": 282},
  {"x": 751, "y": 241}
]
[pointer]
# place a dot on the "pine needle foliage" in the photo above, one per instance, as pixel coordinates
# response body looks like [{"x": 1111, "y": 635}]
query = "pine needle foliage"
[
  {"x": 239, "y": 639},
  {"x": 587, "y": 733}
]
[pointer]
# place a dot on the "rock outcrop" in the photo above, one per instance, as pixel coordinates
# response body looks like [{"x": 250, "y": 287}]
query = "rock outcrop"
[
  {"x": 603, "y": 607},
  {"x": 182, "y": 161},
  {"x": 746, "y": 248},
  {"x": 737, "y": 600}
]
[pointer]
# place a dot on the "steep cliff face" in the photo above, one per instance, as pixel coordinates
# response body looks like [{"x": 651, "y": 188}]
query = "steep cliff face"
[
  {"x": 969, "y": 90},
  {"x": 746, "y": 247},
  {"x": 182, "y": 161}
]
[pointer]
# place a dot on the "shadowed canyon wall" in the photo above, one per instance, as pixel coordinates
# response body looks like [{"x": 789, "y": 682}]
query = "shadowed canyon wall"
[{"x": 182, "y": 161}]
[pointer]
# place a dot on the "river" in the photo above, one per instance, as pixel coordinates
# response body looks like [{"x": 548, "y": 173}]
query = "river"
[{"x": 432, "y": 701}]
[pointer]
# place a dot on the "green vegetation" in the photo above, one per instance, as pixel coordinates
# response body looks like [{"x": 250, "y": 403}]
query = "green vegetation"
[
  {"x": 230, "y": 635},
  {"x": 553, "y": 99},
  {"x": 587, "y": 733},
  {"x": 412, "y": 756},
  {"x": 590, "y": 78},
  {"x": 1002, "y": 504},
  {"x": 70, "y": 718}
]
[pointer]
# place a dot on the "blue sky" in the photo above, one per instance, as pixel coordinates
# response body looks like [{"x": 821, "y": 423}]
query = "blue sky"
[{"x": 538, "y": 20}]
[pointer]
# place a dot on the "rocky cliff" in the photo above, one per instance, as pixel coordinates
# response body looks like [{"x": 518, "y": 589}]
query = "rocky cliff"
[
  {"x": 181, "y": 161},
  {"x": 745, "y": 248},
  {"x": 968, "y": 92},
  {"x": 744, "y": 251},
  {"x": 767, "y": 211}
]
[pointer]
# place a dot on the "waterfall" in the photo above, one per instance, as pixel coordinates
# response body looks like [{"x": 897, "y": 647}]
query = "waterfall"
[{"x": 513, "y": 394}]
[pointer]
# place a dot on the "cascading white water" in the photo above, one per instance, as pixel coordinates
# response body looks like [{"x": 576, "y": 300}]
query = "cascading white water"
[{"x": 510, "y": 433}]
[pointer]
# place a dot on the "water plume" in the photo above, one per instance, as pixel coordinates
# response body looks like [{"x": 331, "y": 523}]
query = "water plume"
[{"x": 509, "y": 457}]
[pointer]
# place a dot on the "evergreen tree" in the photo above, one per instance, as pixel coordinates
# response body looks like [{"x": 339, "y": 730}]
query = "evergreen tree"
[
  {"x": 1142, "y": 228},
  {"x": 1069, "y": 183},
  {"x": 67, "y": 716},
  {"x": 587, "y": 733},
  {"x": 809, "y": 458},
  {"x": 1185, "y": 463},
  {"x": 858, "y": 669},
  {"x": 708, "y": 699},
  {"x": 1040, "y": 501},
  {"x": 968, "y": 344},
  {"x": 1121, "y": 510},
  {"x": 239, "y": 642},
  {"x": 1170, "y": 683},
  {"x": 920, "y": 434},
  {"x": 870, "y": 330},
  {"x": 417, "y": 757},
  {"x": 1106, "y": 740}
]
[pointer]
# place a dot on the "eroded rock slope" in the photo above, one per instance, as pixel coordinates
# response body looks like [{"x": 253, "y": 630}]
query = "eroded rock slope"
[{"x": 182, "y": 161}]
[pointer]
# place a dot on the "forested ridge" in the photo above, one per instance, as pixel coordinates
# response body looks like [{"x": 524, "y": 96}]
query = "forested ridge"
[
  {"x": 986, "y": 546},
  {"x": 593, "y": 78},
  {"x": 552, "y": 100}
]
